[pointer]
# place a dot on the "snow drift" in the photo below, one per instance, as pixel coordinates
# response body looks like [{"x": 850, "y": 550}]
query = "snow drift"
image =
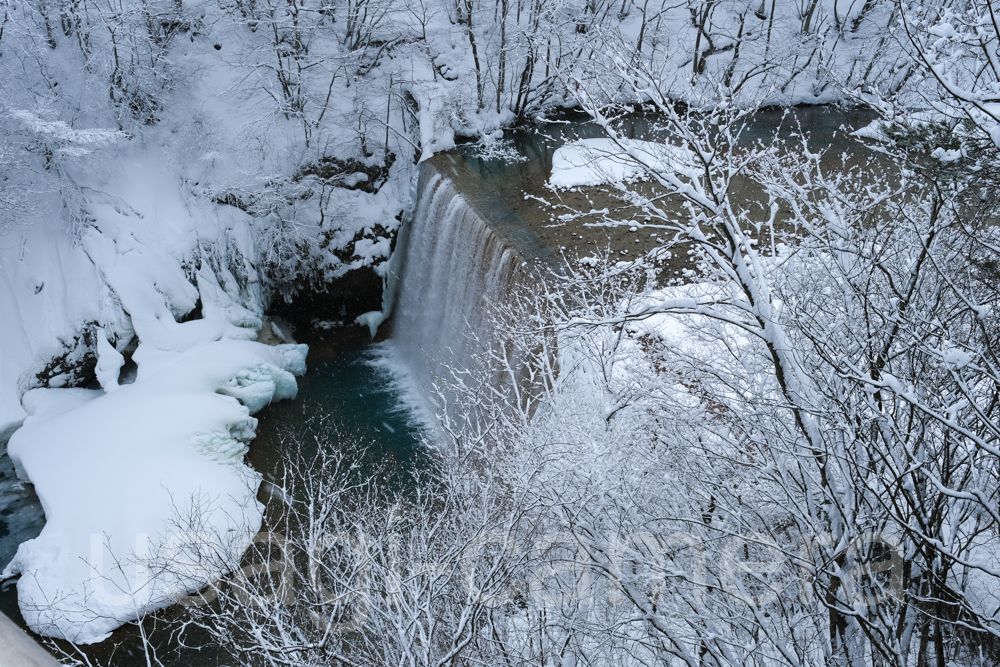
[{"x": 149, "y": 475}]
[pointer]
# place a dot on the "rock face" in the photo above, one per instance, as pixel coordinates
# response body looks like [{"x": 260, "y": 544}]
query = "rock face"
[{"x": 318, "y": 315}]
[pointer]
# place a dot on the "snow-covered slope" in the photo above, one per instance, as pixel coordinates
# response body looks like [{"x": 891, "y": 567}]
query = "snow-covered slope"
[
  {"x": 48, "y": 287},
  {"x": 133, "y": 477}
]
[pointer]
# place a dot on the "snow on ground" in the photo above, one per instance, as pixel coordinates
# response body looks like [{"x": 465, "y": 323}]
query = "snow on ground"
[{"x": 598, "y": 161}]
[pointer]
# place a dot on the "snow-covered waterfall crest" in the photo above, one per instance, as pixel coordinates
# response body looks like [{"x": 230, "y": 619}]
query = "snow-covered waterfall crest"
[{"x": 455, "y": 267}]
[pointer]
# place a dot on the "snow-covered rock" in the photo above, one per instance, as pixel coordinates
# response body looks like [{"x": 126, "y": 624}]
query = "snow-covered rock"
[
  {"x": 145, "y": 475},
  {"x": 597, "y": 161}
]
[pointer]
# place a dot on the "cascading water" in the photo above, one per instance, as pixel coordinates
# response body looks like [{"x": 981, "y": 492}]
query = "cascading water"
[{"x": 455, "y": 267}]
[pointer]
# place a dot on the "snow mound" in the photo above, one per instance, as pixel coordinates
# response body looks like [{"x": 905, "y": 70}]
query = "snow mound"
[
  {"x": 147, "y": 474},
  {"x": 590, "y": 162},
  {"x": 877, "y": 129}
]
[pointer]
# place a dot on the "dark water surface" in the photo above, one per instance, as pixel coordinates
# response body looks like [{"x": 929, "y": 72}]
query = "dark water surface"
[
  {"x": 348, "y": 395},
  {"x": 21, "y": 519}
]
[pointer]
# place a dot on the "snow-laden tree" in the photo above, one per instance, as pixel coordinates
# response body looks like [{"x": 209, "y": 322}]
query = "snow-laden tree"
[
  {"x": 368, "y": 565},
  {"x": 853, "y": 395},
  {"x": 959, "y": 83}
]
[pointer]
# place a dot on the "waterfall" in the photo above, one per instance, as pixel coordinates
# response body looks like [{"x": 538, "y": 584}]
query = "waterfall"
[{"x": 455, "y": 267}]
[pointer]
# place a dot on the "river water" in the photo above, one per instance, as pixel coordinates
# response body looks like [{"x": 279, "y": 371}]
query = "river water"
[{"x": 508, "y": 192}]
